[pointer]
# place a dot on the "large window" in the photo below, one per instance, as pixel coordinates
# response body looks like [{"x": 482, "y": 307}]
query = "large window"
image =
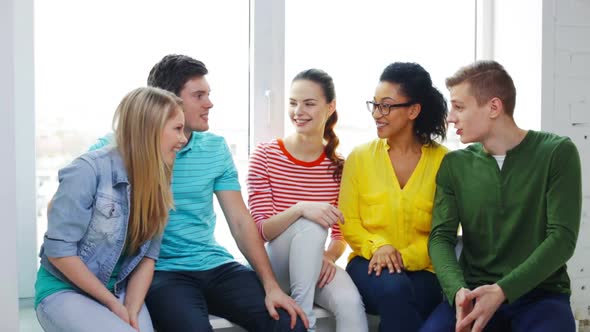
[
  {"x": 88, "y": 55},
  {"x": 354, "y": 42},
  {"x": 88, "y": 59}
]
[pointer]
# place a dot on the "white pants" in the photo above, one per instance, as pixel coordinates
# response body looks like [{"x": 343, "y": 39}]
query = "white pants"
[{"x": 296, "y": 257}]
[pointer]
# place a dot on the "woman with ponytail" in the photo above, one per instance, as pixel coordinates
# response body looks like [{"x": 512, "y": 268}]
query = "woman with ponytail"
[
  {"x": 386, "y": 197},
  {"x": 293, "y": 185},
  {"x": 106, "y": 219}
]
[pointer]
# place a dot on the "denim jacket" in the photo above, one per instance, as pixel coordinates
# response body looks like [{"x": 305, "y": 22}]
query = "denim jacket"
[{"x": 89, "y": 215}]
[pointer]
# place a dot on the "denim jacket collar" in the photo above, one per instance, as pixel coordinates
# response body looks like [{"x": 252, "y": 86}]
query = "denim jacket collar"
[{"x": 119, "y": 174}]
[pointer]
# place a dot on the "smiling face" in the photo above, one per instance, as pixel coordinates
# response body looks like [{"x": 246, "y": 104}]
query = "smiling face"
[
  {"x": 172, "y": 138},
  {"x": 308, "y": 109},
  {"x": 400, "y": 119},
  {"x": 471, "y": 120},
  {"x": 196, "y": 104}
]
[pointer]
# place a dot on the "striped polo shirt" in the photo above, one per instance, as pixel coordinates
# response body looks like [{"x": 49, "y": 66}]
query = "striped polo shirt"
[
  {"x": 277, "y": 181},
  {"x": 202, "y": 167}
]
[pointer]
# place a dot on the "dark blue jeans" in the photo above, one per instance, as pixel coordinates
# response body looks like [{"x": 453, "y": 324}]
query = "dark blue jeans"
[
  {"x": 537, "y": 311},
  {"x": 402, "y": 300},
  {"x": 183, "y": 300}
]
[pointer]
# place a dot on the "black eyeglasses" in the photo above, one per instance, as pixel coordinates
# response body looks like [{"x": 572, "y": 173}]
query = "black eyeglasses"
[{"x": 385, "y": 108}]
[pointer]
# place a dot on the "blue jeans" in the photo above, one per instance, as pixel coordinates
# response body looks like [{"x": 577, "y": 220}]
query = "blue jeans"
[
  {"x": 183, "y": 300},
  {"x": 71, "y": 310},
  {"x": 537, "y": 311},
  {"x": 402, "y": 300}
]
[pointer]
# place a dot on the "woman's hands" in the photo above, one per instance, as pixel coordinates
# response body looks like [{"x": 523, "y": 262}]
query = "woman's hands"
[
  {"x": 323, "y": 214},
  {"x": 386, "y": 256},
  {"x": 327, "y": 272}
]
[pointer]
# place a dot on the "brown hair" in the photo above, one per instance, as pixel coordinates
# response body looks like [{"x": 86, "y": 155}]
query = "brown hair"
[
  {"x": 332, "y": 141},
  {"x": 487, "y": 79}
]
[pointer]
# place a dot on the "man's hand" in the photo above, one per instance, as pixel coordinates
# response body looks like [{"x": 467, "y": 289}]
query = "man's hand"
[
  {"x": 488, "y": 299},
  {"x": 277, "y": 299},
  {"x": 327, "y": 272},
  {"x": 463, "y": 307},
  {"x": 388, "y": 256}
]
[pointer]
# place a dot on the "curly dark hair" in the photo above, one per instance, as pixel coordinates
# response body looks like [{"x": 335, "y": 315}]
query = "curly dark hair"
[{"x": 416, "y": 84}]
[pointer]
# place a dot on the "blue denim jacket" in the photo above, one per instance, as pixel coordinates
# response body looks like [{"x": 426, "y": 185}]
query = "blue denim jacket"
[{"x": 89, "y": 215}]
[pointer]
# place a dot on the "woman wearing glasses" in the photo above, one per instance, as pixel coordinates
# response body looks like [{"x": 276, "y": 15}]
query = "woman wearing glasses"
[
  {"x": 293, "y": 185},
  {"x": 386, "y": 197}
]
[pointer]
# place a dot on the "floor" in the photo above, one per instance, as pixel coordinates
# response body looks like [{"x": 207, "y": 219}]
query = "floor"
[{"x": 27, "y": 319}]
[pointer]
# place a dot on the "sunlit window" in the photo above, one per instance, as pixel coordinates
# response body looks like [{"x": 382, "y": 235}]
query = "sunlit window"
[
  {"x": 354, "y": 43},
  {"x": 88, "y": 55}
]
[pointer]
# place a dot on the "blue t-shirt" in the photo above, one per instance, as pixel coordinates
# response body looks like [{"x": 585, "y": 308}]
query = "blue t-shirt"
[{"x": 202, "y": 167}]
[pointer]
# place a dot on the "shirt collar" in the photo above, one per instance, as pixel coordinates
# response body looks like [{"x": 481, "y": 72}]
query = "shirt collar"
[{"x": 119, "y": 171}]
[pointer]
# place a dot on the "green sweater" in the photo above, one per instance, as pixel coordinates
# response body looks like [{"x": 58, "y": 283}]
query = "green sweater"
[{"x": 520, "y": 224}]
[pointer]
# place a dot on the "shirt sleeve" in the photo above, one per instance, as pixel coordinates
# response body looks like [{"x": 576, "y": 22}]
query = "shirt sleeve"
[
  {"x": 443, "y": 236},
  {"x": 336, "y": 233},
  {"x": 228, "y": 180},
  {"x": 564, "y": 205},
  {"x": 103, "y": 141},
  {"x": 259, "y": 189},
  {"x": 362, "y": 242},
  {"x": 154, "y": 249},
  {"x": 71, "y": 208}
]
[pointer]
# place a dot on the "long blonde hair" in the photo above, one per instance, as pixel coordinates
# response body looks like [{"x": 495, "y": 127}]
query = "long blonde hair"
[{"x": 138, "y": 124}]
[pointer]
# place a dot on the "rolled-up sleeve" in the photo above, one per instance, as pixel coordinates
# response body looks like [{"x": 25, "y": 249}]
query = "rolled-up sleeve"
[
  {"x": 70, "y": 210},
  {"x": 154, "y": 249}
]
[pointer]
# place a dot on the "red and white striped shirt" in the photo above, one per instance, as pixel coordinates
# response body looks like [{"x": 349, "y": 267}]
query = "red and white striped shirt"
[{"x": 277, "y": 181}]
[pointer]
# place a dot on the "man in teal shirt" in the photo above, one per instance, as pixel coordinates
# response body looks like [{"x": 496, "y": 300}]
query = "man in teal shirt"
[
  {"x": 517, "y": 196},
  {"x": 195, "y": 275}
]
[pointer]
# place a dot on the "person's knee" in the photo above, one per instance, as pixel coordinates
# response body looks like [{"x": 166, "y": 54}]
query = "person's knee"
[
  {"x": 442, "y": 319},
  {"x": 399, "y": 289},
  {"x": 349, "y": 302},
  {"x": 284, "y": 323},
  {"x": 310, "y": 228}
]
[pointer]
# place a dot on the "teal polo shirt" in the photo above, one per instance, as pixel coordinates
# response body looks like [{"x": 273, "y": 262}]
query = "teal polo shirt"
[{"x": 202, "y": 167}]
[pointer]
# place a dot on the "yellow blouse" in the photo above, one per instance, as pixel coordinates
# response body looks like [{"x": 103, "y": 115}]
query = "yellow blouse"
[{"x": 378, "y": 212}]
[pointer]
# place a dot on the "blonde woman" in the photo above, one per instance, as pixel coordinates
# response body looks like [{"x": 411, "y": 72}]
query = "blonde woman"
[{"x": 105, "y": 222}]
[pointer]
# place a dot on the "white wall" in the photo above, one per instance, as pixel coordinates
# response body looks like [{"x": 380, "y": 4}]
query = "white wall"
[
  {"x": 8, "y": 279},
  {"x": 517, "y": 34},
  {"x": 566, "y": 111},
  {"x": 24, "y": 117}
]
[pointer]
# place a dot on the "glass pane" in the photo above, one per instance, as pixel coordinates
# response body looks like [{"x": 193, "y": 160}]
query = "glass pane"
[
  {"x": 355, "y": 43},
  {"x": 88, "y": 55}
]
